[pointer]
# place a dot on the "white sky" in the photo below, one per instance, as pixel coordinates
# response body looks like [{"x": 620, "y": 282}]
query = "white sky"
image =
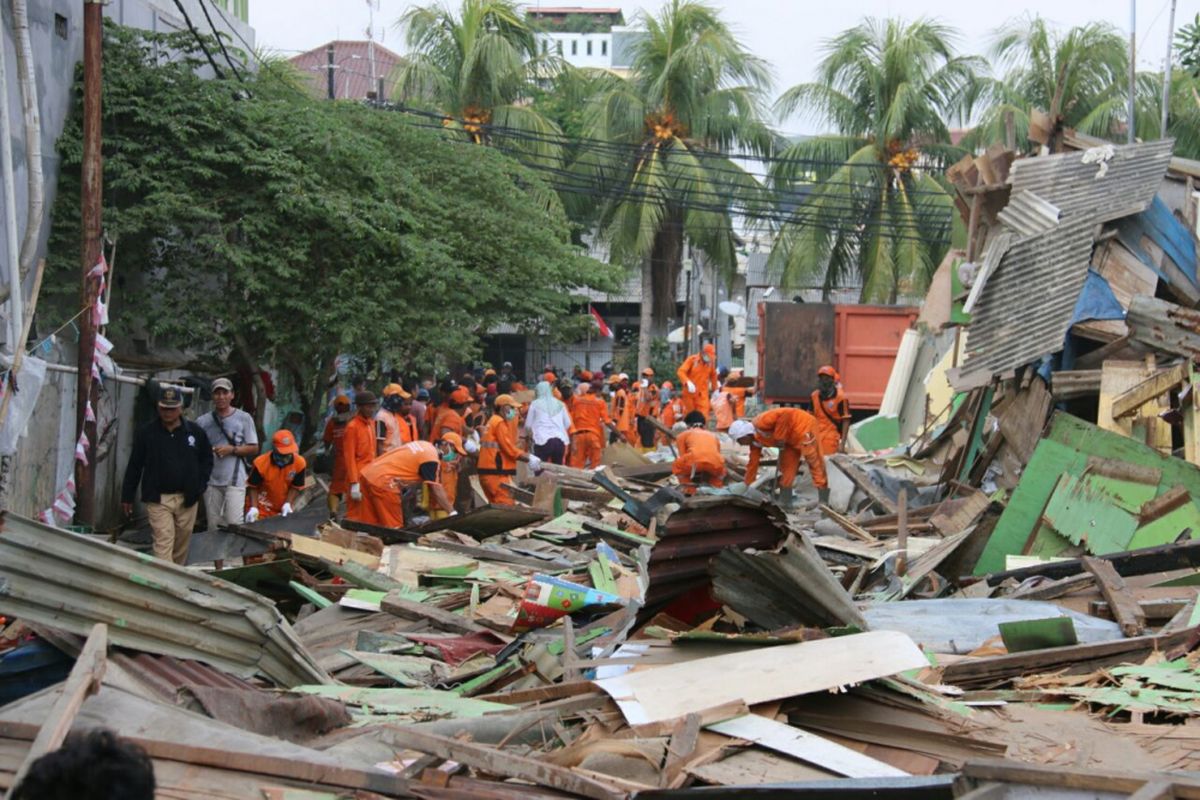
[{"x": 787, "y": 33}]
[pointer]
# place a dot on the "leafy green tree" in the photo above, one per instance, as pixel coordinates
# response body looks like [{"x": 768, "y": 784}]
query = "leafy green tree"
[
  {"x": 256, "y": 225},
  {"x": 874, "y": 211},
  {"x": 1080, "y": 78},
  {"x": 1187, "y": 42},
  {"x": 477, "y": 66},
  {"x": 693, "y": 92}
]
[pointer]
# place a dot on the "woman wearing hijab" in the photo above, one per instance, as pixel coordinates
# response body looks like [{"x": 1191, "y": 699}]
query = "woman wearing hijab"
[{"x": 549, "y": 424}]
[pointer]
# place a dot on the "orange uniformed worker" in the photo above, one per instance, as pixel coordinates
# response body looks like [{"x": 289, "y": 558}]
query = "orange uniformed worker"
[
  {"x": 698, "y": 380},
  {"x": 672, "y": 412},
  {"x": 452, "y": 418},
  {"x": 832, "y": 410},
  {"x": 646, "y": 408},
  {"x": 699, "y": 460},
  {"x": 408, "y": 467},
  {"x": 589, "y": 419},
  {"x": 735, "y": 401},
  {"x": 621, "y": 406},
  {"x": 499, "y": 452},
  {"x": 335, "y": 431},
  {"x": 358, "y": 445},
  {"x": 276, "y": 478},
  {"x": 794, "y": 432},
  {"x": 393, "y": 428}
]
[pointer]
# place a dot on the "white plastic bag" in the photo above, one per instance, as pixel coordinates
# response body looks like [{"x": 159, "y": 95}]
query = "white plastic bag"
[{"x": 30, "y": 378}]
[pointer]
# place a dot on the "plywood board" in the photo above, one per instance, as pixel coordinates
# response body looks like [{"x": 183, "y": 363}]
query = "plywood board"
[
  {"x": 315, "y": 548},
  {"x": 1082, "y": 513},
  {"x": 763, "y": 675},
  {"x": 1116, "y": 378},
  {"x": 805, "y": 746}
]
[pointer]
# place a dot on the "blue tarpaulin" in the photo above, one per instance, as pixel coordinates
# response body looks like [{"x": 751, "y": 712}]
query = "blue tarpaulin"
[{"x": 1097, "y": 301}]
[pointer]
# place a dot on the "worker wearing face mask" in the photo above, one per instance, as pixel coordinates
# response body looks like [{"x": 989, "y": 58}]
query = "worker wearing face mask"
[
  {"x": 392, "y": 425},
  {"x": 794, "y": 432},
  {"x": 832, "y": 410},
  {"x": 499, "y": 452},
  {"x": 398, "y": 475},
  {"x": 698, "y": 380},
  {"x": 335, "y": 430},
  {"x": 276, "y": 478},
  {"x": 646, "y": 408}
]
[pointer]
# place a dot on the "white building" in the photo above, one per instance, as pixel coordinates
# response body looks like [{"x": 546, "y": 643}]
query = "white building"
[{"x": 584, "y": 37}]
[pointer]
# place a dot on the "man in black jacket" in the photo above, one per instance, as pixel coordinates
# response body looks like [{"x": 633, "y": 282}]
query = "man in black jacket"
[{"x": 172, "y": 459}]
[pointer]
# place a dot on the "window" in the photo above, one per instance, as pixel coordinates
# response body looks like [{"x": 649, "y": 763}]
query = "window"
[
  {"x": 589, "y": 47},
  {"x": 558, "y": 46},
  {"x": 545, "y": 46},
  {"x": 604, "y": 48},
  {"x": 574, "y": 47},
  {"x": 60, "y": 26}
]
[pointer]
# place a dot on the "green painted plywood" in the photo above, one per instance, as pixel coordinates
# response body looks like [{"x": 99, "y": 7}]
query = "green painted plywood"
[
  {"x": 1183, "y": 522},
  {"x": 1083, "y": 514}
]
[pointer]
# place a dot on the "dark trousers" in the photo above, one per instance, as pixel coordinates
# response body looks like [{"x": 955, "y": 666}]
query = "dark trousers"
[
  {"x": 552, "y": 452},
  {"x": 646, "y": 432}
]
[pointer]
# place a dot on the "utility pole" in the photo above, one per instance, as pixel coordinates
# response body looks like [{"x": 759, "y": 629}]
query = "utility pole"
[
  {"x": 1132, "y": 64},
  {"x": 12, "y": 255},
  {"x": 1166, "y": 93},
  {"x": 90, "y": 253},
  {"x": 331, "y": 84}
]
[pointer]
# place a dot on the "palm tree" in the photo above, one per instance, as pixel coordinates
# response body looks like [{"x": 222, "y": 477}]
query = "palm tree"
[
  {"x": 477, "y": 67},
  {"x": 1080, "y": 79},
  {"x": 658, "y": 143},
  {"x": 874, "y": 211}
]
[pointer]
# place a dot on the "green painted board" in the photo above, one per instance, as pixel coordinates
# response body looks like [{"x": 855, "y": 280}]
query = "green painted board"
[
  {"x": 880, "y": 432},
  {"x": 416, "y": 702},
  {"x": 1086, "y": 516},
  {"x": 408, "y": 671},
  {"x": 1037, "y": 634},
  {"x": 309, "y": 595},
  {"x": 1169, "y": 527},
  {"x": 1126, "y": 495},
  {"x": 1064, "y": 450}
]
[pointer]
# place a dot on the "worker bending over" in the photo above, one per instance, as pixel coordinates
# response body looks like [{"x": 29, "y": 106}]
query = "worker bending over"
[
  {"x": 276, "y": 478},
  {"x": 794, "y": 432},
  {"x": 832, "y": 410},
  {"x": 590, "y": 418},
  {"x": 499, "y": 452},
  {"x": 698, "y": 380},
  {"x": 699, "y": 460},
  {"x": 402, "y": 471}
]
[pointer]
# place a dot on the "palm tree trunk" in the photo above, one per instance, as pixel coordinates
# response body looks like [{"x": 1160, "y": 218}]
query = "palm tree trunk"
[
  {"x": 666, "y": 259},
  {"x": 646, "y": 318}
]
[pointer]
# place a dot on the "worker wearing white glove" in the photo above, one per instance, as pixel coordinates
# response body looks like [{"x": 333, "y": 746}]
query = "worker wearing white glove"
[
  {"x": 535, "y": 463},
  {"x": 356, "y": 492},
  {"x": 691, "y": 387},
  {"x": 276, "y": 478},
  {"x": 252, "y": 515},
  {"x": 286, "y": 510}
]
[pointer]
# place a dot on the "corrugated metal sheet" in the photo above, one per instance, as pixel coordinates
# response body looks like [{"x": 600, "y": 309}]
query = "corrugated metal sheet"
[
  {"x": 57, "y": 578},
  {"x": 1028, "y": 214},
  {"x": 1025, "y": 308},
  {"x": 165, "y": 676}
]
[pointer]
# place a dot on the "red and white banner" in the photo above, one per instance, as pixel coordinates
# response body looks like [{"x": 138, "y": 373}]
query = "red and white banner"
[{"x": 605, "y": 331}]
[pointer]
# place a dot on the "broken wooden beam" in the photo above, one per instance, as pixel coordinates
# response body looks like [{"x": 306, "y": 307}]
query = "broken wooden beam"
[
  {"x": 394, "y": 604},
  {"x": 1155, "y": 386},
  {"x": 863, "y": 481},
  {"x": 1161, "y": 558}
]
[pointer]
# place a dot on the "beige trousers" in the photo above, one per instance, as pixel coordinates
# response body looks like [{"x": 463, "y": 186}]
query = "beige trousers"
[{"x": 171, "y": 527}]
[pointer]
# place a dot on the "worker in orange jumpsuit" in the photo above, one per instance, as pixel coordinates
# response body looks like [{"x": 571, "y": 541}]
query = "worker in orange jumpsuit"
[
  {"x": 499, "y": 452},
  {"x": 620, "y": 407},
  {"x": 335, "y": 430},
  {"x": 672, "y": 412},
  {"x": 794, "y": 432},
  {"x": 832, "y": 410},
  {"x": 404, "y": 469},
  {"x": 276, "y": 478},
  {"x": 453, "y": 418},
  {"x": 733, "y": 405},
  {"x": 698, "y": 380},
  {"x": 589, "y": 420},
  {"x": 646, "y": 408},
  {"x": 699, "y": 460},
  {"x": 393, "y": 428},
  {"x": 358, "y": 446}
]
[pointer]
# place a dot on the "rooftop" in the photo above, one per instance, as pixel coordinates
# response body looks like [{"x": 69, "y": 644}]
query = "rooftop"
[{"x": 352, "y": 66}]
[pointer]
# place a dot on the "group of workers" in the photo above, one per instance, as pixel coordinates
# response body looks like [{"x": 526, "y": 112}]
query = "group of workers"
[{"x": 407, "y": 452}]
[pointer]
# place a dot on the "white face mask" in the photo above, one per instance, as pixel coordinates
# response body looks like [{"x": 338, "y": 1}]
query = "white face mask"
[{"x": 645, "y": 383}]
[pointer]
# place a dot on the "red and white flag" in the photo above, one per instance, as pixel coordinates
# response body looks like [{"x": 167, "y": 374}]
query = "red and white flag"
[{"x": 605, "y": 331}]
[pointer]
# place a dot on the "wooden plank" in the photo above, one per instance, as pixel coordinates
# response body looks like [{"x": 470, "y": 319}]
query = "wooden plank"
[
  {"x": 1125, "y": 609},
  {"x": 848, "y": 525},
  {"x": 1053, "y": 589},
  {"x": 1129, "y": 401},
  {"x": 504, "y": 763},
  {"x": 306, "y": 546},
  {"x": 1164, "y": 504},
  {"x": 1095, "y": 358},
  {"x": 805, "y": 746},
  {"x": 680, "y": 748},
  {"x": 1092, "y": 779},
  {"x": 83, "y": 681},
  {"x": 1162, "y": 558},
  {"x": 1154, "y": 790},
  {"x": 863, "y": 481},
  {"x": 439, "y": 618},
  {"x": 541, "y": 694},
  {"x": 1165, "y": 608},
  {"x": 902, "y": 532},
  {"x": 763, "y": 674}
]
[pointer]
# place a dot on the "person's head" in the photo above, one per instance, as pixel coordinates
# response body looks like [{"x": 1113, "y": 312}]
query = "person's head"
[
  {"x": 544, "y": 390},
  {"x": 366, "y": 403},
  {"x": 423, "y": 394},
  {"x": 394, "y": 397},
  {"x": 489, "y": 376},
  {"x": 695, "y": 419},
  {"x": 586, "y": 376},
  {"x": 597, "y": 385},
  {"x": 742, "y": 431},
  {"x": 647, "y": 377},
  {"x": 358, "y": 383},
  {"x": 709, "y": 354},
  {"x": 827, "y": 379},
  {"x": 283, "y": 448},
  {"x": 506, "y": 406},
  {"x": 460, "y": 398},
  {"x": 667, "y": 386},
  {"x": 90, "y": 765},
  {"x": 723, "y": 373},
  {"x": 450, "y": 446},
  {"x": 576, "y": 371},
  {"x": 222, "y": 394},
  {"x": 614, "y": 382},
  {"x": 506, "y": 368},
  {"x": 549, "y": 377},
  {"x": 170, "y": 405},
  {"x": 341, "y": 408}
]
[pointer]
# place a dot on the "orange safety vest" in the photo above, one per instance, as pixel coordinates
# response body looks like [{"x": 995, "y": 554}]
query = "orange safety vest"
[{"x": 276, "y": 482}]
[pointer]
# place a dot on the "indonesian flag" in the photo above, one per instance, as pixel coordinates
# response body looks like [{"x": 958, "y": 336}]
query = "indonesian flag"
[{"x": 605, "y": 331}]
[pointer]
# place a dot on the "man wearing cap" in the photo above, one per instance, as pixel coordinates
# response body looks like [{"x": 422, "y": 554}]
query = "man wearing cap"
[
  {"x": 646, "y": 408},
  {"x": 499, "y": 452},
  {"x": 276, "y": 479},
  {"x": 700, "y": 460},
  {"x": 589, "y": 419},
  {"x": 620, "y": 406},
  {"x": 832, "y": 410},
  {"x": 358, "y": 446},
  {"x": 233, "y": 437},
  {"x": 388, "y": 479},
  {"x": 334, "y": 437},
  {"x": 452, "y": 418},
  {"x": 794, "y": 432},
  {"x": 395, "y": 426},
  {"x": 698, "y": 380},
  {"x": 172, "y": 460}
]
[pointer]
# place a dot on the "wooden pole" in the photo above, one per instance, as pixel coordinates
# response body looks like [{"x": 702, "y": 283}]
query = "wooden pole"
[
  {"x": 902, "y": 532},
  {"x": 90, "y": 251}
]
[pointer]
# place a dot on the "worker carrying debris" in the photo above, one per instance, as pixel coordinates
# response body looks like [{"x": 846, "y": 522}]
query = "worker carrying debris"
[
  {"x": 697, "y": 380},
  {"x": 276, "y": 478},
  {"x": 832, "y": 410},
  {"x": 388, "y": 479},
  {"x": 590, "y": 417},
  {"x": 794, "y": 432},
  {"x": 700, "y": 461},
  {"x": 499, "y": 452}
]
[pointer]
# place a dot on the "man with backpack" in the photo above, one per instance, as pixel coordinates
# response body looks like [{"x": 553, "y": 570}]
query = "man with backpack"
[{"x": 233, "y": 438}]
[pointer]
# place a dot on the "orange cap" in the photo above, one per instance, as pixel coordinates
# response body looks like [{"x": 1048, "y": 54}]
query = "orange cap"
[
  {"x": 648, "y": 372},
  {"x": 550, "y": 377},
  {"x": 284, "y": 443},
  {"x": 710, "y": 350},
  {"x": 460, "y": 396},
  {"x": 586, "y": 375},
  {"x": 455, "y": 441},
  {"x": 341, "y": 401},
  {"x": 504, "y": 400},
  {"x": 395, "y": 388},
  {"x": 828, "y": 370}
]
